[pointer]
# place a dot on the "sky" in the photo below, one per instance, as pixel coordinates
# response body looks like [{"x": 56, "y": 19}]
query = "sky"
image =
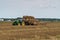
[{"x": 36, "y": 8}]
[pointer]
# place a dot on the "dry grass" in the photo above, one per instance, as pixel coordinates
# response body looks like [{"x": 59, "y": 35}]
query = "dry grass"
[{"x": 48, "y": 31}]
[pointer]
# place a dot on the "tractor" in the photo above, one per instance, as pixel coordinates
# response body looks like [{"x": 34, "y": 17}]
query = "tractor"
[{"x": 26, "y": 20}]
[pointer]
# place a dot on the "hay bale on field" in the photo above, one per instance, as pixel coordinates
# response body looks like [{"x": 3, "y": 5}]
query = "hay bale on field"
[{"x": 30, "y": 20}]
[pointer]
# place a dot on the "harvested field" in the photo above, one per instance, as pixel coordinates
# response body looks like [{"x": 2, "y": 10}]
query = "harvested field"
[{"x": 44, "y": 31}]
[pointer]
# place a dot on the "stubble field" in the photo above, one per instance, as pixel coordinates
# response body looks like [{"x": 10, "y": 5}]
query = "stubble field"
[{"x": 44, "y": 31}]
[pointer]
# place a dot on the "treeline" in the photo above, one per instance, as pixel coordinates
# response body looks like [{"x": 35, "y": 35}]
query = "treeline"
[
  {"x": 48, "y": 19},
  {"x": 40, "y": 19}
]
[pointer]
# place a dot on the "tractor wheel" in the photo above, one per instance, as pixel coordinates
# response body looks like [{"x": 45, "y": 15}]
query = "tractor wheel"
[{"x": 15, "y": 23}]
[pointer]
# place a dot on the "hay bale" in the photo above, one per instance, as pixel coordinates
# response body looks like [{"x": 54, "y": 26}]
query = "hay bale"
[{"x": 30, "y": 20}]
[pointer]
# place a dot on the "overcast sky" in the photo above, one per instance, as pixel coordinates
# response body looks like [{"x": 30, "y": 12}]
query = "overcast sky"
[{"x": 36, "y": 8}]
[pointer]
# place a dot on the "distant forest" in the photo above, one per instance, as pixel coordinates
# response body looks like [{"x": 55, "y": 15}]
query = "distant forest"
[
  {"x": 48, "y": 19},
  {"x": 40, "y": 19}
]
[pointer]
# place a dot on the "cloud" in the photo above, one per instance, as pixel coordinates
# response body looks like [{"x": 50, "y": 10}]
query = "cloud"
[{"x": 37, "y": 8}]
